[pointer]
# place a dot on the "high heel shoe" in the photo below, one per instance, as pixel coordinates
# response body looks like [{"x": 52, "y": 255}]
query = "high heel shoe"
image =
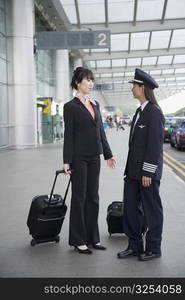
[{"x": 83, "y": 251}]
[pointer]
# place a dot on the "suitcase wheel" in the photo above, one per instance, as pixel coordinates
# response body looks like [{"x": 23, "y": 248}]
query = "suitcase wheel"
[{"x": 33, "y": 242}]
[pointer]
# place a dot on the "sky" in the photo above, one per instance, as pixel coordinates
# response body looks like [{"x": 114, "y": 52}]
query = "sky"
[{"x": 173, "y": 103}]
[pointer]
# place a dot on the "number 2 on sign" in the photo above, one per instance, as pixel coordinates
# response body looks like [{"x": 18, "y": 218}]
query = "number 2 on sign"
[{"x": 102, "y": 36}]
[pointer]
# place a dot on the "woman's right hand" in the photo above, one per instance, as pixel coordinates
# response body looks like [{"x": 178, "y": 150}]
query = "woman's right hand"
[{"x": 66, "y": 169}]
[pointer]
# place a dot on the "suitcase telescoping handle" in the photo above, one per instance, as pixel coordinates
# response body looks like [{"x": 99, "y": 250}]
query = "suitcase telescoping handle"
[{"x": 52, "y": 190}]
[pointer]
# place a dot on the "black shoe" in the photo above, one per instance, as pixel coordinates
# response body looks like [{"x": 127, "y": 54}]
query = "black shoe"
[
  {"x": 148, "y": 256},
  {"x": 126, "y": 253},
  {"x": 99, "y": 247},
  {"x": 83, "y": 251}
]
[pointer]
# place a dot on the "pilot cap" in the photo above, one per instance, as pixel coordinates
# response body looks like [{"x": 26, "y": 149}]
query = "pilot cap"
[{"x": 144, "y": 78}]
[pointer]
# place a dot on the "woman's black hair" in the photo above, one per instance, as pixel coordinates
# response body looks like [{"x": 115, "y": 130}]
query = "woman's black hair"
[
  {"x": 149, "y": 95},
  {"x": 79, "y": 74}
]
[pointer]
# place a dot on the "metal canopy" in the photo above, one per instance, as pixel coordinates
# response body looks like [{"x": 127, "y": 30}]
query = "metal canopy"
[{"x": 148, "y": 34}]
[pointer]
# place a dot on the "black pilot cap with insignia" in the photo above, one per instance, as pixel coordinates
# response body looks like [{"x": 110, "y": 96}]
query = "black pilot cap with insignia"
[{"x": 143, "y": 78}]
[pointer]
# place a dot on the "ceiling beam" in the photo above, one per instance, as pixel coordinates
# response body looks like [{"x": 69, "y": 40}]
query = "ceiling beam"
[
  {"x": 155, "y": 76},
  {"x": 170, "y": 39},
  {"x": 133, "y": 54},
  {"x": 164, "y": 11},
  {"x": 77, "y": 14},
  {"x": 131, "y": 68},
  {"x": 129, "y": 43},
  {"x": 106, "y": 14},
  {"x": 142, "y": 26},
  {"x": 149, "y": 42},
  {"x": 135, "y": 12}
]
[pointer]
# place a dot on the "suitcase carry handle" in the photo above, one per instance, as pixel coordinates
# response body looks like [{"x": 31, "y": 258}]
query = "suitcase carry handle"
[{"x": 52, "y": 190}]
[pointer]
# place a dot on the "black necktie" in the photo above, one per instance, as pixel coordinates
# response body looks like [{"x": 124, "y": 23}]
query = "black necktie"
[{"x": 138, "y": 112}]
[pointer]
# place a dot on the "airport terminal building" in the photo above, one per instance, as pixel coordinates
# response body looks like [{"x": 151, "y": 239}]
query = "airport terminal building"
[
  {"x": 112, "y": 38},
  {"x": 35, "y": 83}
]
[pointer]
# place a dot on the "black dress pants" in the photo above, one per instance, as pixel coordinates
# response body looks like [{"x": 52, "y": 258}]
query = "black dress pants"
[
  {"x": 139, "y": 199},
  {"x": 83, "y": 225}
]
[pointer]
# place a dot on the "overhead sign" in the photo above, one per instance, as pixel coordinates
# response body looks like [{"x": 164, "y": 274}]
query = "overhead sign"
[
  {"x": 52, "y": 40},
  {"x": 103, "y": 86}
]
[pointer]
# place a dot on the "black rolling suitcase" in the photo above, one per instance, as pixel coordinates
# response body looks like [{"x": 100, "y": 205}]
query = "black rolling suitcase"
[
  {"x": 46, "y": 215},
  {"x": 115, "y": 218}
]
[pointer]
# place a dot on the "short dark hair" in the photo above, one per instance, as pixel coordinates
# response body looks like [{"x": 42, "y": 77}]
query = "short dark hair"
[{"x": 79, "y": 74}]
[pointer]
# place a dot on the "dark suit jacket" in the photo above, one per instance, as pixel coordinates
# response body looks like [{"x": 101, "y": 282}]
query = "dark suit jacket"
[
  {"x": 83, "y": 135},
  {"x": 145, "y": 156}
]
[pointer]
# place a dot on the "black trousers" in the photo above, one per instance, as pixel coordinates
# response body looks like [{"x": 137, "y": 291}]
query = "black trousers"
[
  {"x": 139, "y": 200},
  {"x": 83, "y": 225}
]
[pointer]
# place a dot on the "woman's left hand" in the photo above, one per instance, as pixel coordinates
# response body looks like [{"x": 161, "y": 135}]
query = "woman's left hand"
[{"x": 111, "y": 162}]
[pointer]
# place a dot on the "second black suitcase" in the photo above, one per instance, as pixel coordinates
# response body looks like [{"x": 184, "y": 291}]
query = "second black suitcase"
[
  {"x": 46, "y": 216},
  {"x": 115, "y": 218}
]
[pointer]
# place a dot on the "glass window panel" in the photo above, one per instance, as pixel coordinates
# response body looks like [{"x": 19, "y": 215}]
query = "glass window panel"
[
  {"x": 3, "y": 73},
  {"x": 160, "y": 79},
  {"x": 118, "y": 62},
  {"x": 119, "y": 42},
  {"x": 133, "y": 61},
  {"x": 181, "y": 83},
  {"x": 180, "y": 78},
  {"x": 180, "y": 70},
  {"x": 118, "y": 74},
  {"x": 69, "y": 8},
  {"x": 129, "y": 74},
  {"x": 91, "y": 11},
  {"x": 139, "y": 40},
  {"x": 149, "y": 60},
  {"x": 120, "y": 11},
  {"x": 100, "y": 50},
  {"x": 170, "y": 78},
  {"x": 106, "y": 75},
  {"x": 103, "y": 63},
  {"x": 2, "y": 21},
  {"x": 165, "y": 59},
  {"x": 2, "y": 47},
  {"x": 2, "y": 3},
  {"x": 179, "y": 59},
  {"x": 92, "y": 63},
  {"x": 178, "y": 39},
  {"x": 155, "y": 72},
  {"x": 153, "y": 8},
  {"x": 168, "y": 71},
  {"x": 175, "y": 9},
  {"x": 160, "y": 39}
]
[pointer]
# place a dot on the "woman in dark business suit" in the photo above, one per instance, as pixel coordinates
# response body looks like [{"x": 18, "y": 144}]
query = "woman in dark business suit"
[
  {"x": 84, "y": 141},
  {"x": 143, "y": 173}
]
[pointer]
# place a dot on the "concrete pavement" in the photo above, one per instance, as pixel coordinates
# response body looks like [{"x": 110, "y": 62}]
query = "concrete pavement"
[{"x": 29, "y": 172}]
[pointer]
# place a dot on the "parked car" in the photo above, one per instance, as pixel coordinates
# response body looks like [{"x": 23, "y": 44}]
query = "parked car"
[
  {"x": 167, "y": 128},
  {"x": 177, "y": 136}
]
